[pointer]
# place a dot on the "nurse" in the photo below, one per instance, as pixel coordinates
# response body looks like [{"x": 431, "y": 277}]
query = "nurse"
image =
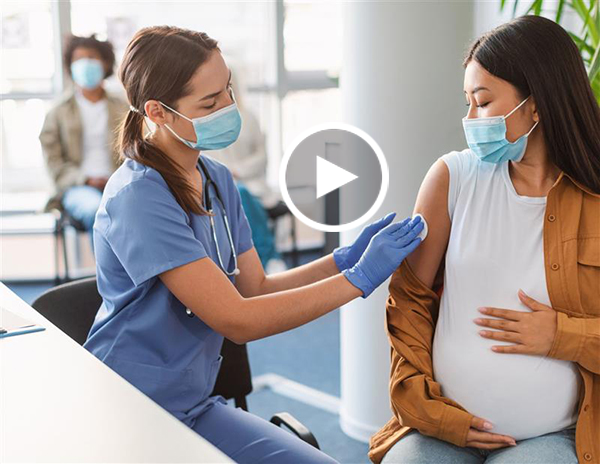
[{"x": 175, "y": 278}]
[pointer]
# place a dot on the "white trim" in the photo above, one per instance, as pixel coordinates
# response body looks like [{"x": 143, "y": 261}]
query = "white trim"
[{"x": 297, "y": 391}]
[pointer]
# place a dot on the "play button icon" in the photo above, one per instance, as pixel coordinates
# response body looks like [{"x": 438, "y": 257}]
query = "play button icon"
[{"x": 331, "y": 177}]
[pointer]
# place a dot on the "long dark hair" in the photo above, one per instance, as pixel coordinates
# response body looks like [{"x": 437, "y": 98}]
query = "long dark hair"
[
  {"x": 158, "y": 65},
  {"x": 539, "y": 58}
]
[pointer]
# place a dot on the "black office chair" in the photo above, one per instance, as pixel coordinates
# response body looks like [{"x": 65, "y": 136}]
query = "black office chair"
[
  {"x": 72, "y": 307},
  {"x": 275, "y": 213},
  {"x": 65, "y": 221}
]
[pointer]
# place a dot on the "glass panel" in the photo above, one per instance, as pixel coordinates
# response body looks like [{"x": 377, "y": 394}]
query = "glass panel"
[
  {"x": 27, "y": 60},
  {"x": 304, "y": 109},
  {"x": 243, "y": 29},
  {"x": 21, "y": 122},
  {"x": 321, "y": 47}
]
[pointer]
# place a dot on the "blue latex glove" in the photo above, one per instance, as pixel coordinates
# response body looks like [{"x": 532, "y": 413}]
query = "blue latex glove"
[
  {"x": 348, "y": 256},
  {"x": 385, "y": 252}
]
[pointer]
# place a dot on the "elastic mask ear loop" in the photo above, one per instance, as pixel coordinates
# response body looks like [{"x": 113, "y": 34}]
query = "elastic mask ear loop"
[
  {"x": 176, "y": 112},
  {"x": 181, "y": 139},
  {"x": 531, "y": 130},
  {"x": 517, "y": 107}
]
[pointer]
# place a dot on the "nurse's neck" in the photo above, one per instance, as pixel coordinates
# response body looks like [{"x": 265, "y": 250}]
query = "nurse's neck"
[{"x": 174, "y": 149}]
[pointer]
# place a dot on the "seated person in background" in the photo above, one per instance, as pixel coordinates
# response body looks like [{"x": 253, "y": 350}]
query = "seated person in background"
[{"x": 79, "y": 133}]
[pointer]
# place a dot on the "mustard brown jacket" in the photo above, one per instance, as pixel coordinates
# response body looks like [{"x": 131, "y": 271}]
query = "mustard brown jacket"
[{"x": 572, "y": 264}]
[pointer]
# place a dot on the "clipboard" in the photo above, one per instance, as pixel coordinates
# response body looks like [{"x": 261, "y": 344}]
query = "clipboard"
[{"x": 12, "y": 324}]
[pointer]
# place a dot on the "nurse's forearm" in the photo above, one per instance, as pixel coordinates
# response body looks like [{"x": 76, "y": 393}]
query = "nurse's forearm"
[
  {"x": 306, "y": 274},
  {"x": 261, "y": 316},
  {"x": 202, "y": 287}
]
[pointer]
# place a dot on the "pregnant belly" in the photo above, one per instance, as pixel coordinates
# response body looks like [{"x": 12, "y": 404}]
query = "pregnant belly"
[{"x": 521, "y": 395}]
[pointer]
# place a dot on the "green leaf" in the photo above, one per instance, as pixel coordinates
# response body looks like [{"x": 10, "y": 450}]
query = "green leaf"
[
  {"x": 582, "y": 45},
  {"x": 596, "y": 88},
  {"x": 595, "y": 65},
  {"x": 514, "y": 13},
  {"x": 589, "y": 25},
  {"x": 559, "y": 10},
  {"x": 596, "y": 4}
]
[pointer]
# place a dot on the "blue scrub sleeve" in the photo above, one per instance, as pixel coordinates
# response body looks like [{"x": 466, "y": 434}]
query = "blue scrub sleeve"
[{"x": 149, "y": 232}]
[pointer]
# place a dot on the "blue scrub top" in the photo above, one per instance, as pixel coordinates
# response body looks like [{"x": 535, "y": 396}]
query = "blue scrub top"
[{"x": 142, "y": 330}]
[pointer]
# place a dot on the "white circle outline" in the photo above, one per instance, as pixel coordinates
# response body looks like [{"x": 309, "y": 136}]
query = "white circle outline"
[{"x": 385, "y": 177}]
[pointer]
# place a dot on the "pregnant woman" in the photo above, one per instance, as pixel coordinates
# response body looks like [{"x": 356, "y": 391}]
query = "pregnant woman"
[{"x": 505, "y": 366}]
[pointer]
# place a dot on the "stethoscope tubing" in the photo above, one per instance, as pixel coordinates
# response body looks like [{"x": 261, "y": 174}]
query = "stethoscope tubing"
[
  {"x": 213, "y": 228},
  {"x": 209, "y": 207}
]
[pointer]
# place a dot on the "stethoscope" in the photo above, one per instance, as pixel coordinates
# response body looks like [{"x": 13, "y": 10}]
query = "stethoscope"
[{"x": 209, "y": 207}]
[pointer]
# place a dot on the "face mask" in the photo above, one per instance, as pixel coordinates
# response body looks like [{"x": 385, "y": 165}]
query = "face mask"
[
  {"x": 486, "y": 137},
  {"x": 215, "y": 131},
  {"x": 87, "y": 72}
]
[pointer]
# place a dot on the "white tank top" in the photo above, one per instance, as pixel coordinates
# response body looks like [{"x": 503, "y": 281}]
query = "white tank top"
[{"x": 495, "y": 248}]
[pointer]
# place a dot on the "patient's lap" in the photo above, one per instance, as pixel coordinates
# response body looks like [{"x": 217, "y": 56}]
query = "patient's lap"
[{"x": 415, "y": 448}]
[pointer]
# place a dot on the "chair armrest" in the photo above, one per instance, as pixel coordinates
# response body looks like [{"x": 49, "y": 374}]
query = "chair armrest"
[{"x": 296, "y": 427}]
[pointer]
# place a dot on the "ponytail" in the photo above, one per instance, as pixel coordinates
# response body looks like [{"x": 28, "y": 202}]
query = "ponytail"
[
  {"x": 158, "y": 65},
  {"x": 133, "y": 145}
]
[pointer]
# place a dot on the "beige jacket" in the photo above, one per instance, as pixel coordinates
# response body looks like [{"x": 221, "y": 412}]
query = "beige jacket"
[
  {"x": 62, "y": 141},
  {"x": 572, "y": 264}
]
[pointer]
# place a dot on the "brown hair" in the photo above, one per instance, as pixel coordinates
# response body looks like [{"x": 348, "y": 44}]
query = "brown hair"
[
  {"x": 105, "y": 49},
  {"x": 539, "y": 58},
  {"x": 158, "y": 65}
]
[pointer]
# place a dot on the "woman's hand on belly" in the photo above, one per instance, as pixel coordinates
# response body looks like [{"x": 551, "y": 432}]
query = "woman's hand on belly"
[
  {"x": 531, "y": 333},
  {"x": 486, "y": 440}
]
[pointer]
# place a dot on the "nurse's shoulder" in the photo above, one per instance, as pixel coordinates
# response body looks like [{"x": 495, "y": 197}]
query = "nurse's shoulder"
[
  {"x": 132, "y": 189},
  {"x": 127, "y": 174}
]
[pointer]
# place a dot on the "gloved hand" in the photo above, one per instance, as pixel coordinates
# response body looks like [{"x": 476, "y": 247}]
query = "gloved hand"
[
  {"x": 385, "y": 252},
  {"x": 348, "y": 256}
]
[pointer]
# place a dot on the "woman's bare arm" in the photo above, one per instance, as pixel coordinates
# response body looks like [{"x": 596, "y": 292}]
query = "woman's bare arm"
[{"x": 432, "y": 203}]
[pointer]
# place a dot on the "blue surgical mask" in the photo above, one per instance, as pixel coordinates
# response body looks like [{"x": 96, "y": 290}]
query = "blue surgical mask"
[
  {"x": 87, "y": 72},
  {"x": 215, "y": 131},
  {"x": 486, "y": 138}
]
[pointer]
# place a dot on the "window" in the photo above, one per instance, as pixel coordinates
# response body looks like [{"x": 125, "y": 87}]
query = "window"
[
  {"x": 290, "y": 75},
  {"x": 320, "y": 48},
  {"x": 27, "y": 85},
  {"x": 27, "y": 61}
]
